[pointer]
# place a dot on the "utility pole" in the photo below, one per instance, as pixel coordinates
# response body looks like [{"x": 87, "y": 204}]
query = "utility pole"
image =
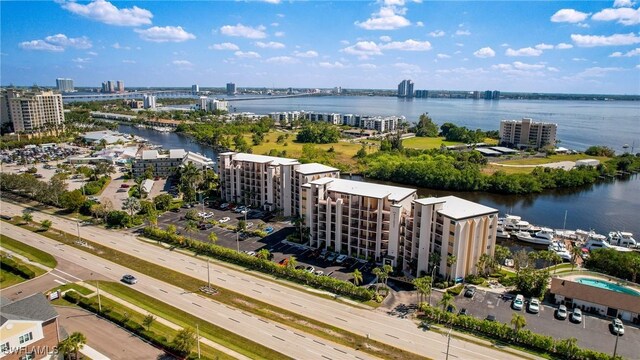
[
  {"x": 238, "y": 239},
  {"x": 78, "y": 227},
  {"x": 208, "y": 276},
  {"x": 615, "y": 348},
  {"x": 448, "y": 343},
  {"x": 198, "y": 339},
  {"x": 99, "y": 301}
]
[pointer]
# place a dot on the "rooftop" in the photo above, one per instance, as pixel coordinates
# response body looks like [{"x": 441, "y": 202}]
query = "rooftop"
[
  {"x": 34, "y": 307},
  {"x": 457, "y": 208},
  {"x": 394, "y": 193},
  {"x": 315, "y": 168},
  {"x": 263, "y": 159}
]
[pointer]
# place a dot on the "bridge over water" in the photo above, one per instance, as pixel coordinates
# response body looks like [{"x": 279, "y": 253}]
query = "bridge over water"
[{"x": 166, "y": 94}]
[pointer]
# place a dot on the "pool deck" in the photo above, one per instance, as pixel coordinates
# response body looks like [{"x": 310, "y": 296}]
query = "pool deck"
[{"x": 613, "y": 280}]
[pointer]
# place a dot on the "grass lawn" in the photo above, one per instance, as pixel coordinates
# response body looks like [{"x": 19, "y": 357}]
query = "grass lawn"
[
  {"x": 77, "y": 287},
  {"x": 553, "y": 158},
  {"x": 27, "y": 251},
  {"x": 239, "y": 301},
  {"x": 37, "y": 270},
  {"x": 490, "y": 169},
  {"x": 435, "y": 142},
  {"x": 9, "y": 279}
]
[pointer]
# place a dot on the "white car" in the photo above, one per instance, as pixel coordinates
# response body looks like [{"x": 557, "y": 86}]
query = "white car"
[
  {"x": 225, "y": 219},
  {"x": 341, "y": 259},
  {"x": 534, "y": 306},
  {"x": 617, "y": 327},
  {"x": 518, "y": 302}
]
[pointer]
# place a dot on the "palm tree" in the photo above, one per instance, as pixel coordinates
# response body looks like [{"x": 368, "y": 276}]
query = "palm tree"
[
  {"x": 423, "y": 287},
  {"x": 46, "y": 224},
  {"x": 264, "y": 254},
  {"x": 576, "y": 252},
  {"x": 65, "y": 348},
  {"x": 387, "y": 269},
  {"x": 26, "y": 216},
  {"x": 378, "y": 273},
  {"x": 357, "y": 277},
  {"x": 132, "y": 204},
  {"x": 518, "y": 321},
  {"x": 447, "y": 302},
  {"x": 152, "y": 218},
  {"x": 213, "y": 237},
  {"x": 483, "y": 262},
  {"x": 190, "y": 227},
  {"x": 77, "y": 341},
  {"x": 451, "y": 259},
  {"x": 291, "y": 264},
  {"x": 555, "y": 258}
]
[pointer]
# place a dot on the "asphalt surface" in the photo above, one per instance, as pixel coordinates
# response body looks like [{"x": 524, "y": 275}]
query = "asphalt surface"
[
  {"x": 276, "y": 336},
  {"x": 394, "y": 331}
]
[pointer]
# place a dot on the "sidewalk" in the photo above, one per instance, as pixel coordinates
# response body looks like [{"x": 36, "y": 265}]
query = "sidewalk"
[
  {"x": 92, "y": 353},
  {"x": 162, "y": 321}
]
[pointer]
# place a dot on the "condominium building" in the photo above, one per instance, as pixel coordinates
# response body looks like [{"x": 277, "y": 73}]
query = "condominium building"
[
  {"x": 195, "y": 88},
  {"x": 422, "y": 94},
  {"x": 28, "y": 328},
  {"x": 450, "y": 227},
  {"x": 120, "y": 86},
  {"x": 268, "y": 182},
  {"x": 64, "y": 85},
  {"x": 211, "y": 105},
  {"x": 32, "y": 111},
  {"x": 231, "y": 89},
  {"x": 166, "y": 164},
  {"x": 378, "y": 123},
  {"x": 149, "y": 101},
  {"x": 526, "y": 133},
  {"x": 356, "y": 218},
  {"x": 286, "y": 117},
  {"x": 405, "y": 89}
]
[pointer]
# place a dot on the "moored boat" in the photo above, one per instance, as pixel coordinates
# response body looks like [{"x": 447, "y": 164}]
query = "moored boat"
[
  {"x": 543, "y": 237},
  {"x": 622, "y": 238}
]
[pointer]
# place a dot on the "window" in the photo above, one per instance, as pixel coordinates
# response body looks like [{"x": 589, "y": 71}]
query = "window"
[
  {"x": 26, "y": 337},
  {"x": 4, "y": 347}
]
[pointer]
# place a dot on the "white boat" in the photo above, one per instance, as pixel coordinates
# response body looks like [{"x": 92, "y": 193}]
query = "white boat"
[
  {"x": 564, "y": 254},
  {"x": 542, "y": 237},
  {"x": 622, "y": 238},
  {"x": 515, "y": 223},
  {"x": 502, "y": 233},
  {"x": 597, "y": 241}
]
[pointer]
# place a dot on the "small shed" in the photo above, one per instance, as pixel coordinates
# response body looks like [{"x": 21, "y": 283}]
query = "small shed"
[{"x": 146, "y": 186}]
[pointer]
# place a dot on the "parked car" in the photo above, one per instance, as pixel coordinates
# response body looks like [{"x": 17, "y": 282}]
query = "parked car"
[
  {"x": 491, "y": 317},
  {"x": 129, "y": 279},
  {"x": 224, "y": 206},
  {"x": 576, "y": 316},
  {"x": 284, "y": 262},
  {"x": 268, "y": 230},
  {"x": 331, "y": 257},
  {"x": 300, "y": 267},
  {"x": 250, "y": 253},
  {"x": 561, "y": 312},
  {"x": 310, "y": 269},
  {"x": 463, "y": 311},
  {"x": 617, "y": 327},
  {"x": 518, "y": 302},
  {"x": 319, "y": 272},
  {"x": 240, "y": 209},
  {"x": 225, "y": 219},
  {"x": 470, "y": 292},
  {"x": 122, "y": 190},
  {"x": 249, "y": 225},
  {"x": 534, "y": 306},
  {"x": 124, "y": 185},
  {"x": 340, "y": 259}
]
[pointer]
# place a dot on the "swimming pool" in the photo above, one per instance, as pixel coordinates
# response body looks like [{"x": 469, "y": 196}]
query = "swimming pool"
[{"x": 603, "y": 284}]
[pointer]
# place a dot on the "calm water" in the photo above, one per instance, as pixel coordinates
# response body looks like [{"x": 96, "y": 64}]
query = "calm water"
[
  {"x": 603, "y": 207},
  {"x": 580, "y": 123}
]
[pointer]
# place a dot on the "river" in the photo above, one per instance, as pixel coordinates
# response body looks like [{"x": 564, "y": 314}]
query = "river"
[{"x": 606, "y": 206}]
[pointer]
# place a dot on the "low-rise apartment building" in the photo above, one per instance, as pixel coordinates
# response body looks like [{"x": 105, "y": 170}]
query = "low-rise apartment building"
[
  {"x": 166, "y": 164},
  {"x": 28, "y": 328},
  {"x": 527, "y": 133}
]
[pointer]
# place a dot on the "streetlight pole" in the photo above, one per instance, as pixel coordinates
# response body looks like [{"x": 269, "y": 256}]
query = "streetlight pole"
[
  {"x": 238, "y": 239},
  {"x": 615, "y": 348},
  {"x": 432, "y": 275},
  {"x": 78, "y": 227},
  {"x": 99, "y": 301},
  {"x": 198, "y": 338},
  {"x": 448, "y": 343},
  {"x": 208, "y": 276}
]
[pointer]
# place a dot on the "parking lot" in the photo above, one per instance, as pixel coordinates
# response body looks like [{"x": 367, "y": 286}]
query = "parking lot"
[
  {"x": 593, "y": 332},
  {"x": 275, "y": 242}
]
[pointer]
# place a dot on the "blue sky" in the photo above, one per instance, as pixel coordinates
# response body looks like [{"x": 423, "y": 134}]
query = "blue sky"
[{"x": 533, "y": 46}]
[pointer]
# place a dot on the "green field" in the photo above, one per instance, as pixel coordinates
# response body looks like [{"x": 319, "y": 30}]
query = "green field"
[
  {"x": 9, "y": 279},
  {"x": 31, "y": 253},
  {"x": 490, "y": 169},
  {"x": 424, "y": 143},
  {"x": 552, "y": 159}
]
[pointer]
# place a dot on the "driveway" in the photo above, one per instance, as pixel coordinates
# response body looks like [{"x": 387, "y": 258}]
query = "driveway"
[{"x": 107, "y": 338}]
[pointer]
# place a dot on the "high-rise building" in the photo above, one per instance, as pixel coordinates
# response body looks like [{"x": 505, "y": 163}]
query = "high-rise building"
[
  {"x": 422, "y": 94},
  {"x": 405, "y": 89},
  {"x": 64, "y": 85},
  {"x": 488, "y": 95},
  {"x": 32, "y": 111},
  {"x": 211, "y": 105},
  {"x": 149, "y": 101},
  {"x": 476, "y": 95},
  {"x": 231, "y": 89},
  {"x": 195, "y": 88},
  {"x": 120, "y": 86},
  {"x": 526, "y": 133},
  {"x": 496, "y": 95}
]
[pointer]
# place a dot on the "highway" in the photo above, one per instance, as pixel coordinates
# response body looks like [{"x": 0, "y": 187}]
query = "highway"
[
  {"x": 275, "y": 336},
  {"x": 401, "y": 333}
]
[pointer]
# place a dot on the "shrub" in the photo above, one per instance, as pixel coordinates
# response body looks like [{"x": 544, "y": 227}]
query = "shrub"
[
  {"x": 118, "y": 218},
  {"x": 474, "y": 279},
  {"x": 455, "y": 291},
  {"x": 17, "y": 268}
]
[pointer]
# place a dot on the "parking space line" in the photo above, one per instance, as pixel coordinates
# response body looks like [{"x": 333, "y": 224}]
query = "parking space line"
[{"x": 258, "y": 291}]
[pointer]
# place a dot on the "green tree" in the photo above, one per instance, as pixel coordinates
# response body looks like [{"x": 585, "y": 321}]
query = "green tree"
[
  {"x": 362, "y": 153},
  {"x": 357, "y": 277},
  {"x": 148, "y": 321},
  {"x": 190, "y": 227},
  {"x": 242, "y": 226},
  {"x": 264, "y": 254},
  {"x": 171, "y": 229},
  {"x": 163, "y": 202},
  {"x": 447, "y": 302},
  {"x": 27, "y": 216},
  {"x": 576, "y": 253},
  {"x": 184, "y": 341},
  {"x": 426, "y": 126},
  {"x": 501, "y": 254},
  {"x": 451, "y": 260},
  {"x": 72, "y": 200},
  {"x": 77, "y": 340},
  {"x": 46, "y": 224},
  {"x": 423, "y": 287},
  {"x": 131, "y": 204},
  {"x": 484, "y": 262},
  {"x": 518, "y": 321},
  {"x": 213, "y": 237},
  {"x": 292, "y": 263}
]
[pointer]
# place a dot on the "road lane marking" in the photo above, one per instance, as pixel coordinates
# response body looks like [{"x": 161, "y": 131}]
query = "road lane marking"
[
  {"x": 296, "y": 304},
  {"x": 275, "y": 290},
  {"x": 258, "y": 291},
  {"x": 164, "y": 291},
  {"x": 300, "y": 335},
  {"x": 263, "y": 320},
  {"x": 66, "y": 273},
  {"x": 136, "y": 250},
  {"x": 316, "y": 341},
  {"x": 395, "y": 337},
  {"x": 326, "y": 357},
  {"x": 196, "y": 304},
  {"x": 278, "y": 338},
  {"x": 83, "y": 258},
  {"x": 221, "y": 279},
  {"x": 108, "y": 268},
  {"x": 162, "y": 259},
  {"x": 247, "y": 280},
  {"x": 232, "y": 319},
  {"x": 60, "y": 282},
  {"x": 113, "y": 242},
  {"x": 259, "y": 284},
  {"x": 190, "y": 268},
  {"x": 342, "y": 351}
]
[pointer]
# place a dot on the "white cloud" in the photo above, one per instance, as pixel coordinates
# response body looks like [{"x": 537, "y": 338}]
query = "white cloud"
[
  {"x": 62, "y": 40},
  {"x": 129, "y": 61},
  {"x": 306, "y": 54},
  {"x": 408, "y": 68},
  {"x": 579, "y": 59},
  {"x": 363, "y": 48},
  {"x": 92, "y": 53},
  {"x": 270, "y": 45},
  {"x": 623, "y": 3},
  {"x": 630, "y": 53},
  {"x": 419, "y": 24},
  {"x": 522, "y": 66},
  {"x": 553, "y": 69},
  {"x": 165, "y": 34},
  {"x": 279, "y": 34},
  {"x": 81, "y": 60},
  {"x": 388, "y": 18},
  {"x": 460, "y": 44},
  {"x": 443, "y": 56},
  {"x": 385, "y": 38},
  {"x": 118, "y": 46},
  {"x": 569, "y": 15},
  {"x": 244, "y": 31},
  {"x": 272, "y": 1},
  {"x": 105, "y": 12},
  {"x": 247, "y": 54},
  {"x": 528, "y": 51},
  {"x": 437, "y": 33},
  {"x": 182, "y": 63},
  {"x": 463, "y": 32},
  {"x": 485, "y": 52},
  {"x": 344, "y": 42},
  {"x": 225, "y": 46},
  {"x": 367, "y": 66},
  {"x": 275, "y": 24},
  {"x": 563, "y": 46},
  {"x": 504, "y": 45},
  {"x": 329, "y": 65},
  {"x": 40, "y": 45},
  {"x": 623, "y": 15},
  {"x": 282, "y": 60},
  {"x": 601, "y": 40},
  {"x": 597, "y": 72},
  {"x": 544, "y": 46},
  {"x": 407, "y": 45}
]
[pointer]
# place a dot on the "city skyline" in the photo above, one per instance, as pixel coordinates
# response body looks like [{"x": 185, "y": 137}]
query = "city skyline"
[{"x": 563, "y": 47}]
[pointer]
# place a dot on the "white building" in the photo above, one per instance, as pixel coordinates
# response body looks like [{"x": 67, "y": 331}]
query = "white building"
[
  {"x": 527, "y": 133},
  {"x": 166, "y": 164},
  {"x": 195, "y": 88},
  {"x": 149, "y": 101},
  {"x": 211, "y": 105},
  {"x": 64, "y": 85},
  {"x": 32, "y": 111},
  {"x": 284, "y": 118}
]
